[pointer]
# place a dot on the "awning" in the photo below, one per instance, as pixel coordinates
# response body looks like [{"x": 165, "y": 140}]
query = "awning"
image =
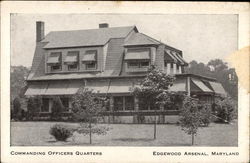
[
  {"x": 218, "y": 88},
  {"x": 53, "y": 60},
  {"x": 54, "y": 88},
  {"x": 168, "y": 52},
  {"x": 36, "y": 89},
  {"x": 137, "y": 55},
  {"x": 89, "y": 56},
  {"x": 178, "y": 86},
  {"x": 201, "y": 85},
  {"x": 71, "y": 59},
  {"x": 120, "y": 86},
  {"x": 98, "y": 86}
]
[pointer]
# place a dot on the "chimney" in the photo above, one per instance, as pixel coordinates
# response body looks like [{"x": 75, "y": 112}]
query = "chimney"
[
  {"x": 103, "y": 25},
  {"x": 39, "y": 31}
]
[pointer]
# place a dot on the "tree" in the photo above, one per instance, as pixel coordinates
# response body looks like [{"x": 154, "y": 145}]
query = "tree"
[
  {"x": 218, "y": 69},
  {"x": 87, "y": 107},
  {"x": 16, "y": 109},
  {"x": 225, "y": 109},
  {"x": 154, "y": 89},
  {"x": 34, "y": 104},
  {"x": 190, "y": 117},
  {"x": 18, "y": 75},
  {"x": 57, "y": 108}
]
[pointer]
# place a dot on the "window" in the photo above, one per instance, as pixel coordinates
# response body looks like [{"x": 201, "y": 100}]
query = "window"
[
  {"x": 72, "y": 60},
  {"x": 172, "y": 65},
  {"x": 133, "y": 65},
  {"x": 118, "y": 103},
  {"x": 45, "y": 105},
  {"x": 138, "y": 64},
  {"x": 177, "y": 67},
  {"x": 129, "y": 103},
  {"x": 144, "y": 64},
  {"x": 54, "y": 61},
  {"x": 143, "y": 104},
  {"x": 65, "y": 102},
  {"x": 89, "y": 59}
]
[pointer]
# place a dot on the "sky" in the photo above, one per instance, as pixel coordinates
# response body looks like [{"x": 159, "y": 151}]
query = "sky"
[{"x": 199, "y": 37}]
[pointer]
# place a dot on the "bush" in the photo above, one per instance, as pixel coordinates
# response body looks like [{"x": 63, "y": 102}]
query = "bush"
[
  {"x": 16, "y": 112},
  {"x": 225, "y": 109},
  {"x": 61, "y": 132},
  {"x": 33, "y": 106},
  {"x": 205, "y": 111}
]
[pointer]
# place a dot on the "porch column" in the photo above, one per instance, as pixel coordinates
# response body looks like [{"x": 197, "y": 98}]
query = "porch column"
[
  {"x": 180, "y": 67},
  {"x": 111, "y": 116},
  {"x": 188, "y": 86},
  {"x": 161, "y": 116},
  {"x": 174, "y": 68},
  {"x": 136, "y": 107},
  {"x": 168, "y": 68}
]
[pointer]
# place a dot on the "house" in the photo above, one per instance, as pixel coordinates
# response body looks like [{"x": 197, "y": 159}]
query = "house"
[{"x": 110, "y": 61}]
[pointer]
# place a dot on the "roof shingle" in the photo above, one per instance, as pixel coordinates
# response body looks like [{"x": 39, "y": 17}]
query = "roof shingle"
[{"x": 90, "y": 37}]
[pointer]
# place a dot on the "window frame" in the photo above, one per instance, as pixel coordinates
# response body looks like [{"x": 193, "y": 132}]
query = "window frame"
[
  {"x": 88, "y": 63},
  {"x": 73, "y": 53},
  {"x": 52, "y": 66}
]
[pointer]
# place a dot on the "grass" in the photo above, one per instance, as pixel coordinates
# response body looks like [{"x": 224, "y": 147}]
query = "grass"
[{"x": 37, "y": 134}]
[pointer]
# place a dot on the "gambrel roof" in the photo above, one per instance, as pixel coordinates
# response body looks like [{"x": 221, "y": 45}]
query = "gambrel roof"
[{"x": 89, "y": 37}]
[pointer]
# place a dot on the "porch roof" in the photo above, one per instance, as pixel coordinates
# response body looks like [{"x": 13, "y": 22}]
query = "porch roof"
[
  {"x": 53, "y": 88},
  {"x": 218, "y": 88}
]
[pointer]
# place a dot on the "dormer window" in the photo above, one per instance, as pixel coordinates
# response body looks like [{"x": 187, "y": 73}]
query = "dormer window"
[
  {"x": 137, "y": 59},
  {"x": 54, "y": 61},
  {"x": 72, "y": 60},
  {"x": 89, "y": 59}
]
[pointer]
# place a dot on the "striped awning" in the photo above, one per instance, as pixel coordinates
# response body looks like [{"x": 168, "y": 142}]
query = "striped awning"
[
  {"x": 218, "y": 88},
  {"x": 89, "y": 56},
  {"x": 120, "y": 86},
  {"x": 137, "y": 54},
  {"x": 178, "y": 86},
  {"x": 98, "y": 86},
  {"x": 71, "y": 59},
  {"x": 53, "y": 60},
  {"x": 53, "y": 88},
  {"x": 201, "y": 85}
]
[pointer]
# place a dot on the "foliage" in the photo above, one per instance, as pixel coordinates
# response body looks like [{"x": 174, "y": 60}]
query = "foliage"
[
  {"x": 17, "y": 80},
  {"x": 153, "y": 90},
  {"x": 205, "y": 111},
  {"x": 190, "y": 116},
  {"x": 87, "y": 107},
  {"x": 61, "y": 132},
  {"x": 225, "y": 109},
  {"x": 217, "y": 69},
  {"x": 34, "y": 104},
  {"x": 57, "y": 108}
]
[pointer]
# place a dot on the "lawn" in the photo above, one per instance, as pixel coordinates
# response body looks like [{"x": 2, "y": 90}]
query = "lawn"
[{"x": 37, "y": 133}]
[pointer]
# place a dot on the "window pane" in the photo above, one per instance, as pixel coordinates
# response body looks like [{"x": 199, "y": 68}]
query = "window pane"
[
  {"x": 133, "y": 64},
  {"x": 143, "y": 104},
  {"x": 145, "y": 64},
  {"x": 129, "y": 103},
  {"x": 65, "y": 102},
  {"x": 91, "y": 65},
  {"x": 45, "y": 105},
  {"x": 73, "y": 67},
  {"x": 56, "y": 68},
  {"x": 118, "y": 103}
]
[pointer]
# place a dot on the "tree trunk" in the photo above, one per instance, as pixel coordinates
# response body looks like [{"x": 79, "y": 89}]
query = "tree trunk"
[
  {"x": 192, "y": 139},
  {"x": 90, "y": 134},
  {"x": 155, "y": 128}
]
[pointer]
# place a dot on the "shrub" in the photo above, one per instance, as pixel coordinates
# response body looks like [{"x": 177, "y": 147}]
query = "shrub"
[
  {"x": 225, "y": 109},
  {"x": 61, "y": 132},
  {"x": 33, "y": 106},
  {"x": 205, "y": 112},
  {"x": 16, "y": 112}
]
